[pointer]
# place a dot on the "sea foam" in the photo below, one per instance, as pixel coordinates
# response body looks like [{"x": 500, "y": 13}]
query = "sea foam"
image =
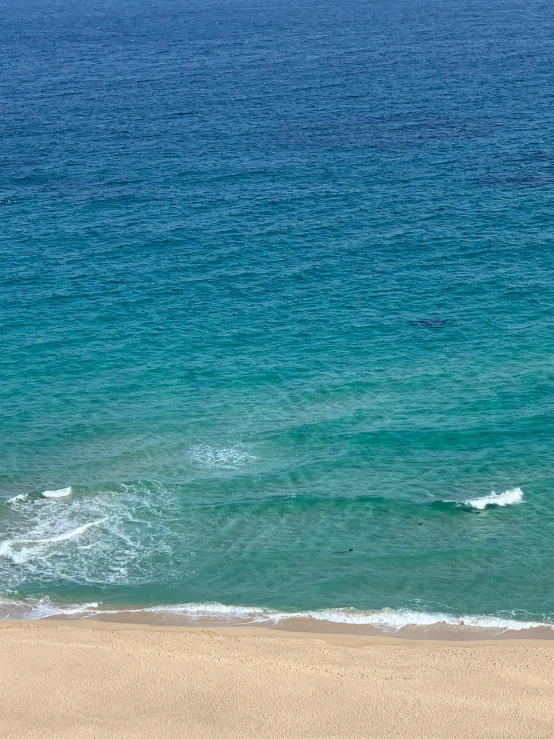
[
  {"x": 386, "y": 620},
  {"x": 125, "y": 535},
  {"x": 21, "y": 498},
  {"x": 226, "y": 458},
  {"x": 22, "y": 550},
  {"x": 508, "y": 497},
  {"x": 60, "y": 493}
]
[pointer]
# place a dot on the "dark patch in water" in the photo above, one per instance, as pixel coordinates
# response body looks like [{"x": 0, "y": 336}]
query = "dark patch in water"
[
  {"x": 392, "y": 131},
  {"x": 544, "y": 156},
  {"x": 517, "y": 180},
  {"x": 428, "y": 322}
]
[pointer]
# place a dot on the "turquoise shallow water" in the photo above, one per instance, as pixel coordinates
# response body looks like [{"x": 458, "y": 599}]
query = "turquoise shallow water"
[{"x": 276, "y": 284}]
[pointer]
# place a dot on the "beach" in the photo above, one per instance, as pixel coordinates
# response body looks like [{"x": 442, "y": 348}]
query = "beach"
[{"x": 90, "y": 679}]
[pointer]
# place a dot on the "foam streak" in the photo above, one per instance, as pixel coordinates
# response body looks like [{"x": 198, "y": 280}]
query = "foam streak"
[{"x": 21, "y": 550}]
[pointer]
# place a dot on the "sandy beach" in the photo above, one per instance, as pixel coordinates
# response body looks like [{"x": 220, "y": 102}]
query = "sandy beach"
[{"x": 92, "y": 679}]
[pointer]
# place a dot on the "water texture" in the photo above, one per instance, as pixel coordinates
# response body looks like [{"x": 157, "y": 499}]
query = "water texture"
[{"x": 277, "y": 303}]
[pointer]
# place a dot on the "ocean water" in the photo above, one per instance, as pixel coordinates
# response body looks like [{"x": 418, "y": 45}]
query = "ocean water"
[{"x": 277, "y": 305}]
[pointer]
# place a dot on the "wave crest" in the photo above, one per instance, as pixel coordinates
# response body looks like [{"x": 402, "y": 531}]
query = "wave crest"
[
  {"x": 60, "y": 493},
  {"x": 508, "y": 497}
]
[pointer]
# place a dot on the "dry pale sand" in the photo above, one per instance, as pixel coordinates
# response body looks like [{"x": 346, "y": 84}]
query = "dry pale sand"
[{"x": 106, "y": 680}]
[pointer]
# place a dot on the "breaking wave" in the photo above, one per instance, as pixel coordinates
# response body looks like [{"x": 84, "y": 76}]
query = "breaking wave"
[
  {"x": 508, "y": 497},
  {"x": 51, "y": 494},
  {"x": 60, "y": 493}
]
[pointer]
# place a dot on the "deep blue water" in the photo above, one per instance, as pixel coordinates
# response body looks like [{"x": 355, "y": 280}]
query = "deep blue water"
[{"x": 276, "y": 282}]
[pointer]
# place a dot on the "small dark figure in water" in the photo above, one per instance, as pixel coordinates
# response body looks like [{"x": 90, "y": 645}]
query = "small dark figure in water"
[{"x": 428, "y": 322}]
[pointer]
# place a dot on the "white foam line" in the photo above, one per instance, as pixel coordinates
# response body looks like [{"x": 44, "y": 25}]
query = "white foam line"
[
  {"x": 7, "y": 547},
  {"x": 386, "y": 619},
  {"x": 66, "y": 535},
  {"x": 43, "y": 608},
  {"x": 508, "y": 497}
]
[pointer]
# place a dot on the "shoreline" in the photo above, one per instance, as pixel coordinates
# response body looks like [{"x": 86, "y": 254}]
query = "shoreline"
[
  {"x": 89, "y": 679},
  {"x": 399, "y": 624},
  {"x": 307, "y": 628},
  {"x": 323, "y": 631}
]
